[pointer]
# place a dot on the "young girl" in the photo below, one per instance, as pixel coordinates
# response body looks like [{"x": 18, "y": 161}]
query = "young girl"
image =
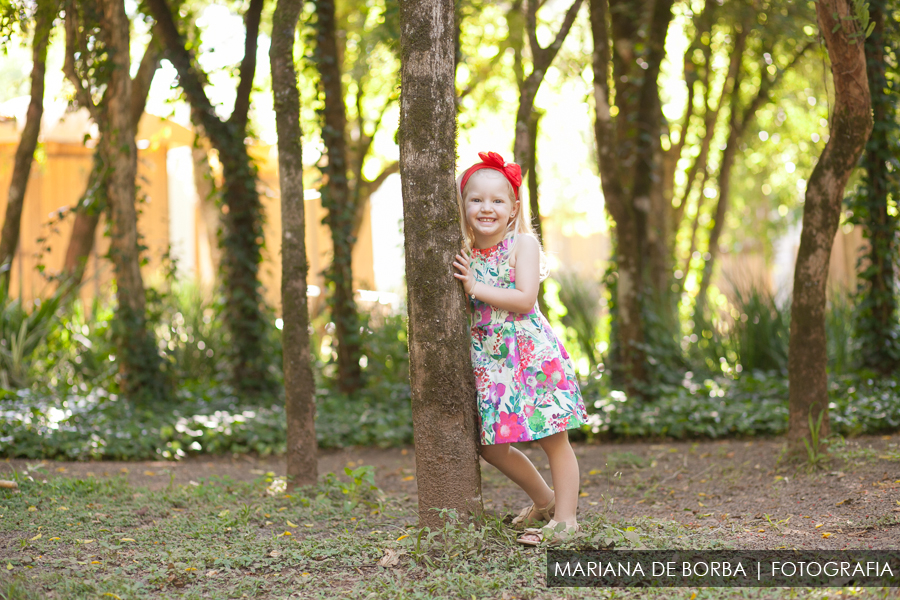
[{"x": 527, "y": 390}]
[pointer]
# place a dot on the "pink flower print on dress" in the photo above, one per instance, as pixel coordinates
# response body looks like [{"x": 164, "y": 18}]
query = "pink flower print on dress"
[
  {"x": 528, "y": 409},
  {"x": 483, "y": 314},
  {"x": 508, "y": 429},
  {"x": 495, "y": 393},
  {"x": 556, "y": 376}
]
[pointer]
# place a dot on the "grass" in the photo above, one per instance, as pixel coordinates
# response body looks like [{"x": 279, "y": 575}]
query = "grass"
[{"x": 101, "y": 538}]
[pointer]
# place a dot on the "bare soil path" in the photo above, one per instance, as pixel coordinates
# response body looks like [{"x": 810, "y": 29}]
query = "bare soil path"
[{"x": 735, "y": 491}]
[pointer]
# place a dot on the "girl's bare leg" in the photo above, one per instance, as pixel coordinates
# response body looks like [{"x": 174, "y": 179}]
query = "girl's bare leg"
[
  {"x": 515, "y": 465},
  {"x": 564, "y": 470}
]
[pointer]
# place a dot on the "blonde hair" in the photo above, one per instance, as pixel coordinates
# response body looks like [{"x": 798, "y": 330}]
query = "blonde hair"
[{"x": 518, "y": 226}]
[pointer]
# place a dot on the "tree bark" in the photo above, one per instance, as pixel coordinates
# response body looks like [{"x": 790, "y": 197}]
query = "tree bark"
[
  {"x": 851, "y": 124},
  {"x": 441, "y": 378},
  {"x": 139, "y": 364},
  {"x": 299, "y": 386},
  {"x": 628, "y": 156},
  {"x": 242, "y": 219},
  {"x": 9, "y": 239},
  {"x": 336, "y": 199},
  {"x": 877, "y": 306},
  {"x": 93, "y": 201},
  {"x": 87, "y": 215}
]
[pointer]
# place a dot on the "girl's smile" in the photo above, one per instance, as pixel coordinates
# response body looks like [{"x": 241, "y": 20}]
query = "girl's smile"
[{"x": 489, "y": 209}]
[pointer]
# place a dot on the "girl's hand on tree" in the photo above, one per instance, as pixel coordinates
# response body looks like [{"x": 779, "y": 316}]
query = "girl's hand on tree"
[{"x": 465, "y": 275}]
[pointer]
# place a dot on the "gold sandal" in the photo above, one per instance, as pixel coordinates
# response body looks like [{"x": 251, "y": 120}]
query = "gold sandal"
[
  {"x": 545, "y": 514},
  {"x": 552, "y": 534}
]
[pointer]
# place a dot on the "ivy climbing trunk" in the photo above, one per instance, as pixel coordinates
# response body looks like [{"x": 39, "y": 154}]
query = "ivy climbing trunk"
[
  {"x": 875, "y": 201},
  {"x": 299, "y": 386},
  {"x": 629, "y": 159},
  {"x": 242, "y": 220},
  {"x": 9, "y": 238},
  {"x": 441, "y": 378},
  {"x": 851, "y": 123},
  {"x": 93, "y": 202},
  {"x": 139, "y": 362},
  {"x": 337, "y": 200}
]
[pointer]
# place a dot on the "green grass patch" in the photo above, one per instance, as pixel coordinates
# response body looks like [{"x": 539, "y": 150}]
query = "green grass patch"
[{"x": 87, "y": 539}]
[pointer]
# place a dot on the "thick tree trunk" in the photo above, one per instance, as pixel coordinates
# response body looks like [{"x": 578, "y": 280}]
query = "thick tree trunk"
[
  {"x": 299, "y": 386},
  {"x": 242, "y": 221},
  {"x": 877, "y": 320},
  {"x": 628, "y": 155},
  {"x": 9, "y": 239},
  {"x": 442, "y": 384},
  {"x": 138, "y": 360},
  {"x": 336, "y": 199},
  {"x": 93, "y": 201},
  {"x": 851, "y": 124}
]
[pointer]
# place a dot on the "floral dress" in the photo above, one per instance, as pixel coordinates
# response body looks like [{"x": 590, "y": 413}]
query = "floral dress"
[{"x": 525, "y": 379}]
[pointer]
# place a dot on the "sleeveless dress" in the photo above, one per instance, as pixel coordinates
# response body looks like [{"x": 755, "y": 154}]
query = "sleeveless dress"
[{"x": 525, "y": 379}]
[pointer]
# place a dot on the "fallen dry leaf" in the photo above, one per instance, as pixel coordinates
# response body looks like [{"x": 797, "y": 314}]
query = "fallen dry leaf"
[{"x": 391, "y": 557}]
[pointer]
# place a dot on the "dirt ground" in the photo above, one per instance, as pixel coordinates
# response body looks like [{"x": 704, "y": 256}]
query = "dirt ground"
[{"x": 734, "y": 491}]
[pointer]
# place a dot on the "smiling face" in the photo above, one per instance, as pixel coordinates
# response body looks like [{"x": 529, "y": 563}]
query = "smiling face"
[{"x": 489, "y": 207}]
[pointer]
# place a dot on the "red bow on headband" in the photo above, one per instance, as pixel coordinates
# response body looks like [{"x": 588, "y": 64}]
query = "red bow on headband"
[{"x": 492, "y": 160}]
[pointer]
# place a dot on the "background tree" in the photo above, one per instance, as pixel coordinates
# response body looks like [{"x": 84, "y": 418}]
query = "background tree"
[
  {"x": 93, "y": 202},
  {"x": 442, "y": 386},
  {"x": 630, "y": 36},
  {"x": 242, "y": 220},
  {"x": 299, "y": 386},
  {"x": 98, "y": 58},
  {"x": 336, "y": 197},
  {"x": 45, "y": 12},
  {"x": 851, "y": 122},
  {"x": 773, "y": 43},
  {"x": 345, "y": 191},
  {"x": 874, "y": 204}
]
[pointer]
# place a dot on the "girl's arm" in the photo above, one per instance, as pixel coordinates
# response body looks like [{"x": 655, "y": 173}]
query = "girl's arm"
[{"x": 522, "y": 298}]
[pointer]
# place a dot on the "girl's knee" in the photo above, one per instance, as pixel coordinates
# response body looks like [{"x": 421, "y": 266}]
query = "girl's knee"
[
  {"x": 555, "y": 441},
  {"x": 494, "y": 452}
]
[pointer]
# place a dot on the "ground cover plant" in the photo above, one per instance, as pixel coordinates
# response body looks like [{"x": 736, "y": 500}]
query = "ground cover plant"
[
  {"x": 229, "y": 528},
  {"x": 69, "y": 405}
]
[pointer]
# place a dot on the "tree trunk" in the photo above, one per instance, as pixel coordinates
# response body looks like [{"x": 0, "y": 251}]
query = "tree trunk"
[
  {"x": 851, "y": 124},
  {"x": 299, "y": 386},
  {"x": 9, "y": 239},
  {"x": 442, "y": 384},
  {"x": 876, "y": 325},
  {"x": 93, "y": 201},
  {"x": 542, "y": 58},
  {"x": 336, "y": 199},
  {"x": 139, "y": 364},
  {"x": 533, "y": 204},
  {"x": 243, "y": 218},
  {"x": 628, "y": 155}
]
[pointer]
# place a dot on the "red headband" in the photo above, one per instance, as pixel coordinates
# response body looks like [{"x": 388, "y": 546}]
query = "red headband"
[{"x": 492, "y": 160}]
